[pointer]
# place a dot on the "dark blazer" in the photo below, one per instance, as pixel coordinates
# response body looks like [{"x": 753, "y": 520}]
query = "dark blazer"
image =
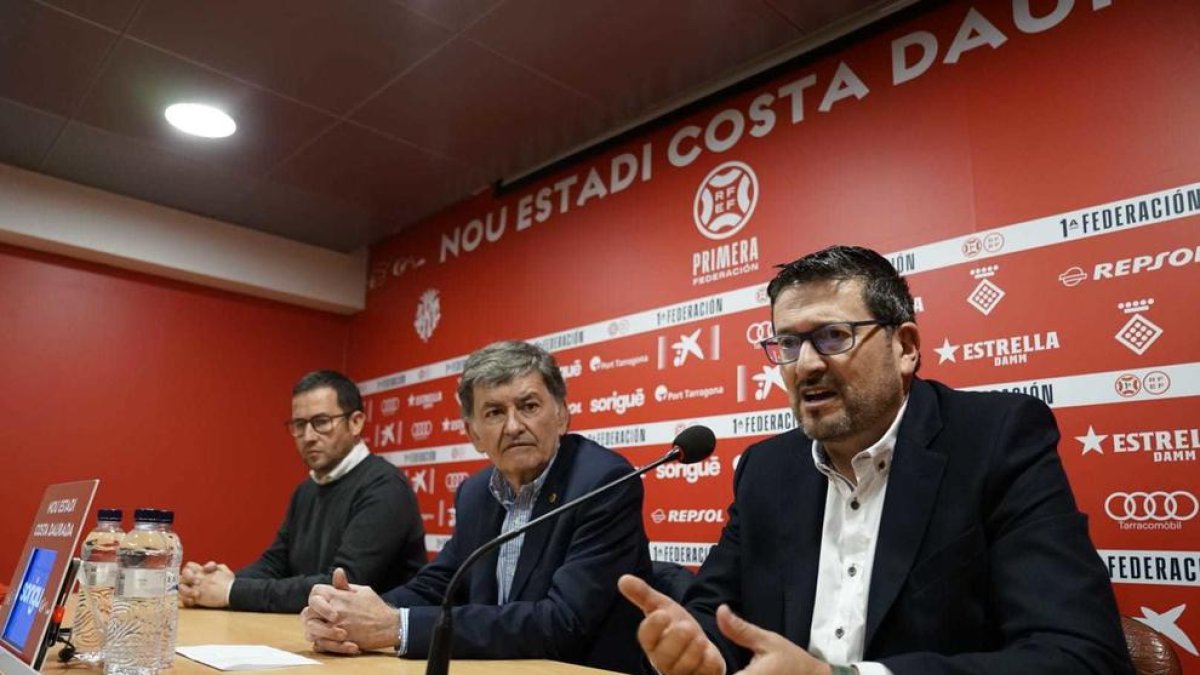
[
  {"x": 982, "y": 565},
  {"x": 564, "y": 603}
]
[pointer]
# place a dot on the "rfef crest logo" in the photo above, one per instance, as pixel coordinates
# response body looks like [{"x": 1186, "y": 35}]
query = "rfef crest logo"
[
  {"x": 973, "y": 246},
  {"x": 725, "y": 200},
  {"x": 1128, "y": 385},
  {"x": 1156, "y": 383}
]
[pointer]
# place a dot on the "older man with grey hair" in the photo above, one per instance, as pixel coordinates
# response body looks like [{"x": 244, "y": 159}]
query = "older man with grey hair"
[{"x": 549, "y": 593}]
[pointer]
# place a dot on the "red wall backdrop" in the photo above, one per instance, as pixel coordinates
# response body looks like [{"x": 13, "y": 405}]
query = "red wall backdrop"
[
  {"x": 170, "y": 394},
  {"x": 1033, "y": 167}
]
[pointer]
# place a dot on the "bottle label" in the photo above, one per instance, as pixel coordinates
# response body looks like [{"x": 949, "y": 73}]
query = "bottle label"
[
  {"x": 141, "y": 583},
  {"x": 100, "y": 574}
]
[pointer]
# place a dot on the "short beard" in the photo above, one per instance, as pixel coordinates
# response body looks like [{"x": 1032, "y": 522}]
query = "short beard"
[
  {"x": 850, "y": 420},
  {"x": 828, "y": 428}
]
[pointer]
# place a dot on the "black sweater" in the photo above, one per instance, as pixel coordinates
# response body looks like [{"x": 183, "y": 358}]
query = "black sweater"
[{"x": 367, "y": 522}]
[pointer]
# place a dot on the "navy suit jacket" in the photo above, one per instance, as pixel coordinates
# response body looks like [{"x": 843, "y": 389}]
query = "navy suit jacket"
[
  {"x": 982, "y": 565},
  {"x": 564, "y": 603}
]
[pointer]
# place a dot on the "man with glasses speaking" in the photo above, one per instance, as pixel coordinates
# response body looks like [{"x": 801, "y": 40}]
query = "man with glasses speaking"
[
  {"x": 905, "y": 527},
  {"x": 355, "y": 511}
]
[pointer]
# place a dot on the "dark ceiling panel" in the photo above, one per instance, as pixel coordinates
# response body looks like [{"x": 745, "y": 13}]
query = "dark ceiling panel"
[
  {"x": 306, "y": 216},
  {"x": 26, "y": 134},
  {"x": 112, "y": 13},
  {"x": 443, "y": 96},
  {"x": 110, "y": 162},
  {"x": 454, "y": 14},
  {"x": 385, "y": 178},
  {"x": 811, "y": 16},
  {"x": 638, "y": 54},
  {"x": 47, "y": 59},
  {"x": 140, "y": 82},
  {"x": 329, "y": 54},
  {"x": 480, "y": 108}
]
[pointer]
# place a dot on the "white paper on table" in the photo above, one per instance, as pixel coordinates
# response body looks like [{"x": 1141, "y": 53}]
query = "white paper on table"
[{"x": 244, "y": 657}]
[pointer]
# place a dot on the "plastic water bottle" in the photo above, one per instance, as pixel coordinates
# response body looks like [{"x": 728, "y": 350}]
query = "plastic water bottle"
[
  {"x": 171, "y": 599},
  {"x": 133, "y": 644},
  {"x": 97, "y": 578}
]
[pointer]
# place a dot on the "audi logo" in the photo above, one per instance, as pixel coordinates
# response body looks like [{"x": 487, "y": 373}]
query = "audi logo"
[
  {"x": 422, "y": 429},
  {"x": 757, "y": 332},
  {"x": 453, "y": 480},
  {"x": 1158, "y": 506}
]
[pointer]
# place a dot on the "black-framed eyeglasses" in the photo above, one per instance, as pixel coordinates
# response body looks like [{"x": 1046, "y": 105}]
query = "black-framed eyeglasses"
[
  {"x": 322, "y": 424},
  {"x": 830, "y": 339}
]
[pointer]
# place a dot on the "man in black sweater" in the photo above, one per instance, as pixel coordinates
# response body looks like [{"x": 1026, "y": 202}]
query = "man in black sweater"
[{"x": 355, "y": 512}]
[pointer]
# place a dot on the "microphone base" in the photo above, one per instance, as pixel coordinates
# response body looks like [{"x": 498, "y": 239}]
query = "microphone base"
[{"x": 439, "y": 645}]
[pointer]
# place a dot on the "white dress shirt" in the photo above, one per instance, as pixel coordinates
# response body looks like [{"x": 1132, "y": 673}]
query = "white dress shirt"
[
  {"x": 352, "y": 459},
  {"x": 852, "y": 515}
]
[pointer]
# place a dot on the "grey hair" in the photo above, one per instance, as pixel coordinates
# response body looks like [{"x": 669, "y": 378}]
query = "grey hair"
[{"x": 502, "y": 362}]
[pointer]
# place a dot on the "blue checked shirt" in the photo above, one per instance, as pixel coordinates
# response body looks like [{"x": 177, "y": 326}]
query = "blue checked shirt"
[{"x": 518, "y": 509}]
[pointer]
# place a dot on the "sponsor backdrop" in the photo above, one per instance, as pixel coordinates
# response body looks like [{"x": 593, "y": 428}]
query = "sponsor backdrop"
[{"x": 1031, "y": 166}]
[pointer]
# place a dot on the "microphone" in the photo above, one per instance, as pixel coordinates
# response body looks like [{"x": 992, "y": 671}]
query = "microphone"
[{"x": 691, "y": 445}]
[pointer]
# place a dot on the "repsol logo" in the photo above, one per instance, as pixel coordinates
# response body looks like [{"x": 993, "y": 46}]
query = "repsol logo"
[
  {"x": 618, "y": 403},
  {"x": 660, "y": 516},
  {"x": 1179, "y": 257}
]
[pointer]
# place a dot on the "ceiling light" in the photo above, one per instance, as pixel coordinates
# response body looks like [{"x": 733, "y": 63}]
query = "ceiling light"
[{"x": 198, "y": 119}]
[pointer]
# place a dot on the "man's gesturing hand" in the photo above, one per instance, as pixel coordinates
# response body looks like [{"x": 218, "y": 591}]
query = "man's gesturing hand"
[
  {"x": 669, "y": 635},
  {"x": 773, "y": 653}
]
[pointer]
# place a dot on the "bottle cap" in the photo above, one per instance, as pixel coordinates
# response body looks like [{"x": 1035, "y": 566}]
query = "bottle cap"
[
  {"x": 145, "y": 515},
  {"x": 109, "y": 515},
  {"x": 167, "y": 515}
]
